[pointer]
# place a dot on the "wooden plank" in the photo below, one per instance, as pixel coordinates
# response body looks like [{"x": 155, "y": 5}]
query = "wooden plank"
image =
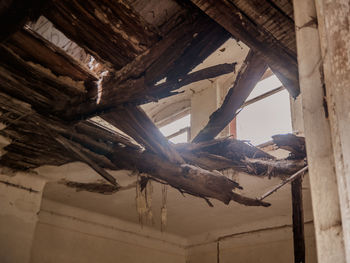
[
  {"x": 249, "y": 74},
  {"x": 109, "y": 30},
  {"x": 134, "y": 83},
  {"x": 134, "y": 122},
  {"x": 32, "y": 47},
  {"x": 74, "y": 148},
  {"x": 271, "y": 18},
  {"x": 298, "y": 220},
  {"x": 279, "y": 59},
  {"x": 166, "y": 89},
  {"x": 187, "y": 178}
]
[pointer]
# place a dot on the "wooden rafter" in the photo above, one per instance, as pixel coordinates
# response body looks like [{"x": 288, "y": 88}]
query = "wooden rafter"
[
  {"x": 111, "y": 31},
  {"x": 249, "y": 74},
  {"x": 134, "y": 83},
  {"x": 282, "y": 62}
]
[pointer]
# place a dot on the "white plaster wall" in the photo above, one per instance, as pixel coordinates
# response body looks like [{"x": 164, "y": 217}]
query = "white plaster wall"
[
  {"x": 203, "y": 104},
  {"x": 68, "y": 234},
  {"x": 18, "y": 215},
  {"x": 264, "y": 246}
]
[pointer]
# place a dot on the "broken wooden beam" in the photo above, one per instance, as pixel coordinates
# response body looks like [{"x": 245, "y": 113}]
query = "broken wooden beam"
[
  {"x": 110, "y": 31},
  {"x": 292, "y": 143},
  {"x": 79, "y": 153},
  {"x": 164, "y": 89},
  {"x": 134, "y": 122},
  {"x": 134, "y": 83},
  {"x": 248, "y": 76},
  {"x": 32, "y": 47},
  {"x": 281, "y": 61},
  {"x": 187, "y": 178}
]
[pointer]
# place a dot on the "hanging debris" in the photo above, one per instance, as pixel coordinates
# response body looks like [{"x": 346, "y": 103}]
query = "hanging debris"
[
  {"x": 144, "y": 191},
  {"x": 164, "y": 209}
]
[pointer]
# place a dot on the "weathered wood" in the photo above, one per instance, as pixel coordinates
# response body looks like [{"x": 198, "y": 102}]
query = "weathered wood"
[
  {"x": 288, "y": 180},
  {"x": 32, "y": 47},
  {"x": 277, "y": 56},
  {"x": 134, "y": 122},
  {"x": 249, "y": 74},
  {"x": 198, "y": 36},
  {"x": 75, "y": 149},
  {"x": 109, "y": 30},
  {"x": 271, "y": 18},
  {"x": 290, "y": 142},
  {"x": 298, "y": 220},
  {"x": 34, "y": 70},
  {"x": 187, "y": 178},
  {"x": 165, "y": 89}
]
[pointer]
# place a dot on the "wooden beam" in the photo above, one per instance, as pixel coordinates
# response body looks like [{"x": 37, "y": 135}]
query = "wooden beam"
[
  {"x": 79, "y": 153},
  {"x": 134, "y": 122},
  {"x": 290, "y": 142},
  {"x": 298, "y": 220},
  {"x": 111, "y": 31},
  {"x": 187, "y": 178},
  {"x": 277, "y": 56},
  {"x": 34, "y": 48},
  {"x": 165, "y": 89},
  {"x": 34, "y": 70},
  {"x": 175, "y": 55},
  {"x": 249, "y": 74}
]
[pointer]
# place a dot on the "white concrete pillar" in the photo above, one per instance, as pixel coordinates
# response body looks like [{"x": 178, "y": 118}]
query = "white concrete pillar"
[
  {"x": 20, "y": 200},
  {"x": 323, "y": 179},
  {"x": 334, "y": 28}
]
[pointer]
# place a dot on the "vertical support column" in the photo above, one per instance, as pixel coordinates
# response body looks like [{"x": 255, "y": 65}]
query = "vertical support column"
[
  {"x": 323, "y": 180},
  {"x": 20, "y": 200},
  {"x": 334, "y": 28},
  {"x": 298, "y": 220}
]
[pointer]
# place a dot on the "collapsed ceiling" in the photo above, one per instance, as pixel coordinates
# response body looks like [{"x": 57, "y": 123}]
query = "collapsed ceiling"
[{"x": 111, "y": 60}]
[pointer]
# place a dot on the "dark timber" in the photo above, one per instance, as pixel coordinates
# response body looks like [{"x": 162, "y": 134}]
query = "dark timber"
[
  {"x": 298, "y": 221},
  {"x": 279, "y": 58},
  {"x": 250, "y": 73}
]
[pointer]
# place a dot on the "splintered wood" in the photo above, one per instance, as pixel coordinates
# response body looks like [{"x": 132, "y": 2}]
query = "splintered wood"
[{"x": 47, "y": 94}]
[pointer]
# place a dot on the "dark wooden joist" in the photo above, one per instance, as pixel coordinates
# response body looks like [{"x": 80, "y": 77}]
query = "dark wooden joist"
[
  {"x": 77, "y": 150},
  {"x": 279, "y": 58},
  {"x": 248, "y": 76},
  {"x": 184, "y": 47},
  {"x": 272, "y": 18},
  {"x": 298, "y": 220},
  {"x": 32, "y": 47},
  {"x": 292, "y": 143},
  {"x": 167, "y": 88},
  {"x": 15, "y": 13},
  {"x": 109, "y": 30},
  {"x": 134, "y": 122},
  {"x": 186, "y": 178},
  {"x": 177, "y": 62},
  {"x": 36, "y": 71}
]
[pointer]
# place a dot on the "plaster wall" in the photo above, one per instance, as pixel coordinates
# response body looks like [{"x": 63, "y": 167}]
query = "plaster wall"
[
  {"x": 203, "y": 104},
  {"x": 20, "y": 198},
  {"x": 258, "y": 246},
  {"x": 68, "y": 234}
]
